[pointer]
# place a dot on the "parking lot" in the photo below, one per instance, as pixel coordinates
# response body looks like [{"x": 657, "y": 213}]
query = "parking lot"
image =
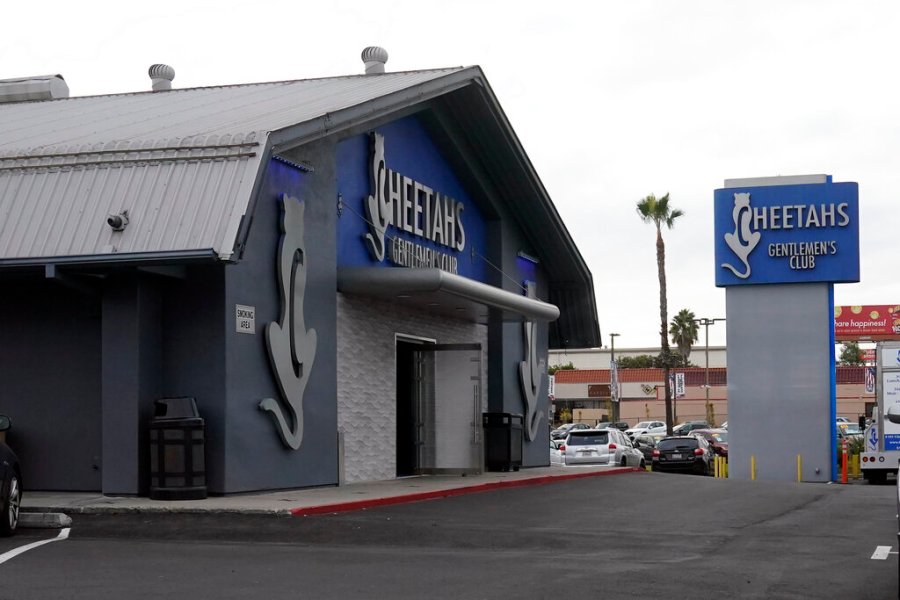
[{"x": 650, "y": 535}]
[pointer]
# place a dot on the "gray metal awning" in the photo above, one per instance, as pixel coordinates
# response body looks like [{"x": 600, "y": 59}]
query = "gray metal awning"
[{"x": 440, "y": 291}]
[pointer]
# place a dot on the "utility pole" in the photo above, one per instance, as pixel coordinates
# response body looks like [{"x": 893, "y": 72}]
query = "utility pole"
[
  {"x": 612, "y": 361},
  {"x": 706, "y": 323}
]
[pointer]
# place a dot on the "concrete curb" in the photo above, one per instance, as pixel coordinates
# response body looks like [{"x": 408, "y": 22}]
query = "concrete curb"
[
  {"x": 44, "y": 520},
  {"x": 458, "y": 491},
  {"x": 301, "y": 504}
]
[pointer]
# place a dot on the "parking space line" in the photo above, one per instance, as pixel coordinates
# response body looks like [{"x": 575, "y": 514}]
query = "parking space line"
[
  {"x": 882, "y": 552},
  {"x": 63, "y": 534}
]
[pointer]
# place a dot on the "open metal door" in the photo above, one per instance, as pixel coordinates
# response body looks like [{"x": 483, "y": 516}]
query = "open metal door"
[{"x": 449, "y": 409}]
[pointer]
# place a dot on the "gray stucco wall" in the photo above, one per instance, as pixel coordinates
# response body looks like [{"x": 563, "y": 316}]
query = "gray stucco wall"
[
  {"x": 508, "y": 338},
  {"x": 254, "y": 455},
  {"x": 366, "y": 376},
  {"x": 779, "y": 374},
  {"x": 50, "y": 382}
]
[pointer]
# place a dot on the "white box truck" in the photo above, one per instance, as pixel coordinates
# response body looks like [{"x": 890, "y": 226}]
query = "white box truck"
[{"x": 882, "y": 449}]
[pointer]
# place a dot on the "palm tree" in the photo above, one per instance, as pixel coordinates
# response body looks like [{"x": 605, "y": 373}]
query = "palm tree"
[
  {"x": 684, "y": 332},
  {"x": 657, "y": 211}
]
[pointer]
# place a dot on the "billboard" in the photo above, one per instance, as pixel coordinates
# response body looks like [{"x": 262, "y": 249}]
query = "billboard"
[
  {"x": 800, "y": 233},
  {"x": 867, "y": 322}
]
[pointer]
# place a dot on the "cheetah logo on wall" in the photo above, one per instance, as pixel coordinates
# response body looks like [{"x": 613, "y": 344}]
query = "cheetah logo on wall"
[{"x": 292, "y": 347}]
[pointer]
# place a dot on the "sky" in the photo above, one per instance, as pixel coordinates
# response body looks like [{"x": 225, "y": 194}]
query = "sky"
[{"x": 611, "y": 100}]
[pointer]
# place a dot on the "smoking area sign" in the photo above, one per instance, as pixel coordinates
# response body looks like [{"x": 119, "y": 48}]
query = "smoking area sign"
[{"x": 245, "y": 318}]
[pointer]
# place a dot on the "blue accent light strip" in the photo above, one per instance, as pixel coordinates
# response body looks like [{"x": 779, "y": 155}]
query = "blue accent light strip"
[{"x": 832, "y": 406}]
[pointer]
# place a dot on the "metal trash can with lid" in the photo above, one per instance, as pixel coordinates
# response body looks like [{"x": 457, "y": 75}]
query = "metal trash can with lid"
[
  {"x": 177, "y": 451},
  {"x": 502, "y": 441}
]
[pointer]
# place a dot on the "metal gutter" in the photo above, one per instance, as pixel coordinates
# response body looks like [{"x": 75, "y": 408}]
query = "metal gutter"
[
  {"x": 391, "y": 281},
  {"x": 124, "y": 259}
]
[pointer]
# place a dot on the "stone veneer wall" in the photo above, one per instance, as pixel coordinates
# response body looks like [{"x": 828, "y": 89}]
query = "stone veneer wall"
[{"x": 366, "y": 376}]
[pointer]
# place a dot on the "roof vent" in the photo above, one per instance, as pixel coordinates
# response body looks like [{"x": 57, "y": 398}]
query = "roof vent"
[
  {"x": 39, "y": 87},
  {"x": 161, "y": 76},
  {"x": 374, "y": 57}
]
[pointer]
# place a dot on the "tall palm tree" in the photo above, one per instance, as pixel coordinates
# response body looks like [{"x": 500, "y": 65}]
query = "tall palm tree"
[
  {"x": 684, "y": 331},
  {"x": 657, "y": 211}
]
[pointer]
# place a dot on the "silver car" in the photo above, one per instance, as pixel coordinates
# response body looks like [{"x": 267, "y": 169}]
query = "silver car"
[
  {"x": 646, "y": 428},
  {"x": 601, "y": 446}
]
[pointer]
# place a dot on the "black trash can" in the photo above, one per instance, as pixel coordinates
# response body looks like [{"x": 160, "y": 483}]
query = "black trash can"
[
  {"x": 502, "y": 441},
  {"x": 177, "y": 451}
]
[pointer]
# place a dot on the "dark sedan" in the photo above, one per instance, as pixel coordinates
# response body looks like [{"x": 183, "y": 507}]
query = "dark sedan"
[
  {"x": 10, "y": 485},
  {"x": 686, "y": 454},
  {"x": 646, "y": 444},
  {"x": 560, "y": 433}
]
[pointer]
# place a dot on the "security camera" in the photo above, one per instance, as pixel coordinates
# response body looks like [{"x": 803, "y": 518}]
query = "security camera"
[{"x": 119, "y": 221}]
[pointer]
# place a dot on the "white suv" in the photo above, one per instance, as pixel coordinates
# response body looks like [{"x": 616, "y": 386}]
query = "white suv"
[{"x": 601, "y": 446}]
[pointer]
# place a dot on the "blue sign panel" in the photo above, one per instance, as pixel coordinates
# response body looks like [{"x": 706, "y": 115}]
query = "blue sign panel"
[
  {"x": 787, "y": 234},
  {"x": 401, "y": 205},
  {"x": 891, "y": 441}
]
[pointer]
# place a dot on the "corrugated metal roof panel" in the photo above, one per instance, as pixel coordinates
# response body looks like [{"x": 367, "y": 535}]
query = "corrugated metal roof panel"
[
  {"x": 195, "y": 116},
  {"x": 182, "y": 162},
  {"x": 172, "y": 206}
]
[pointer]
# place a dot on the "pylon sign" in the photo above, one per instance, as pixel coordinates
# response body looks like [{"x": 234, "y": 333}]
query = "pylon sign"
[
  {"x": 781, "y": 243},
  {"x": 796, "y": 233}
]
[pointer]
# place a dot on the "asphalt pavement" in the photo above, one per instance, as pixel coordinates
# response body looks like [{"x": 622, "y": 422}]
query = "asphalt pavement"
[{"x": 653, "y": 535}]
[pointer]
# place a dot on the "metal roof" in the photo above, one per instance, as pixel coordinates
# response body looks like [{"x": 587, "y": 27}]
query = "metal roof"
[{"x": 183, "y": 163}]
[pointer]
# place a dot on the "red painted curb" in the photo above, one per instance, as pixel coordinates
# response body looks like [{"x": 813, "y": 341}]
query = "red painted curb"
[{"x": 472, "y": 489}]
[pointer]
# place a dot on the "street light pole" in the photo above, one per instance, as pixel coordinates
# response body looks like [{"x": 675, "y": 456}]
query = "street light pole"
[
  {"x": 612, "y": 361},
  {"x": 706, "y": 323}
]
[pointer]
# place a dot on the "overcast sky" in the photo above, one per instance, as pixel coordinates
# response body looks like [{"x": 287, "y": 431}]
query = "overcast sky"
[{"x": 612, "y": 101}]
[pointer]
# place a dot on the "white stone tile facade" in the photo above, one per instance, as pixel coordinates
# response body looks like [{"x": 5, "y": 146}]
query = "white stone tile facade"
[{"x": 366, "y": 376}]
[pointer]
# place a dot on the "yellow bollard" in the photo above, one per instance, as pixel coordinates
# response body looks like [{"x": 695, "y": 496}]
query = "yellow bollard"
[
  {"x": 752, "y": 467},
  {"x": 799, "y": 469},
  {"x": 854, "y": 466}
]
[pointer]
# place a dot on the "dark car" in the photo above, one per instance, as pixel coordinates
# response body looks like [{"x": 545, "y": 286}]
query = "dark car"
[
  {"x": 10, "y": 485},
  {"x": 646, "y": 444},
  {"x": 689, "y": 426},
  {"x": 717, "y": 438},
  {"x": 685, "y": 454},
  {"x": 561, "y": 432},
  {"x": 620, "y": 425}
]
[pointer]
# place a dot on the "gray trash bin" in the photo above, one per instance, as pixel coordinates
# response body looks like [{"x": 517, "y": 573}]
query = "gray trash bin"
[{"x": 177, "y": 451}]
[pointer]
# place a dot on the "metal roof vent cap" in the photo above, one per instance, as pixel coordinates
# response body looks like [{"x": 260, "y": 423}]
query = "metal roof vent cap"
[
  {"x": 161, "y": 76},
  {"x": 40, "y": 87},
  {"x": 374, "y": 58}
]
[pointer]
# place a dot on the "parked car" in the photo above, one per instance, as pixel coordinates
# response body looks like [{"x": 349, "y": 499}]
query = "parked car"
[
  {"x": 556, "y": 455},
  {"x": 620, "y": 425},
  {"x": 717, "y": 439},
  {"x": 10, "y": 485},
  {"x": 685, "y": 453},
  {"x": 689, "y": 426},
  {"x": 560, "y": 433},
  {"x": 842, "y": 420},
  {"x": 848, "y": 431},
  {"x": 601, "y": 446},
  {"x": 725, "y": 426},
  {"x": 646, "y": 427},
  {"x": 646, "y": 444}
]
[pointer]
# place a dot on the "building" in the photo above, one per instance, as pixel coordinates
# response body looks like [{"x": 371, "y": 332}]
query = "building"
[
  {"x": 344, "y": 273},
  {"x": 586, "y": 394},
  {"x": 599, "y": 358}
]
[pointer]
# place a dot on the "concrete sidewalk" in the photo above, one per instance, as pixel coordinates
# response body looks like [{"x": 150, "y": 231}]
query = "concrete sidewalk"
[{"x": 355, "y": 496}]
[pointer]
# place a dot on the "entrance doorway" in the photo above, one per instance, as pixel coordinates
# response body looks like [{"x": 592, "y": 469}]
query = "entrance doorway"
[{"x": 438, "y": 408}]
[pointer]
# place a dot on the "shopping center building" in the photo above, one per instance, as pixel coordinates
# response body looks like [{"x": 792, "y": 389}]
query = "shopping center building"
[{"x": 344, "y": 273}]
